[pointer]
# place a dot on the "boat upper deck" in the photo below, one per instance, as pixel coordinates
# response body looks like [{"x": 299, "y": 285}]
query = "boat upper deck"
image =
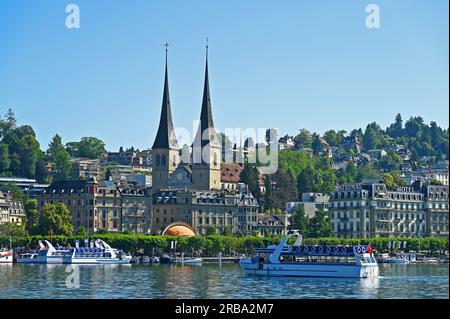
[{"x": 317, "y": 250}]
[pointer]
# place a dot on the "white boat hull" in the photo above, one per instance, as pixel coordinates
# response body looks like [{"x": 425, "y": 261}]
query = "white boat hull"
[
  {"x": 311, "y": 270},
  {"x": 94, "y": 260},
  {"x": 399, "y": 261},
  {"x": 27, "y": 261},
  {"x": 193, "y": 261},
  {"x": 6, "y": 258}
]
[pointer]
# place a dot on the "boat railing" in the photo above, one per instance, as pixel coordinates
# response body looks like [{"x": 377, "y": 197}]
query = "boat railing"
[{"x": 317, "y": 250}]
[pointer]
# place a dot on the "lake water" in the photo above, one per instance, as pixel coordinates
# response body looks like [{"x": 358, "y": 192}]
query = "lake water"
[{"x": 212, "y": 281}]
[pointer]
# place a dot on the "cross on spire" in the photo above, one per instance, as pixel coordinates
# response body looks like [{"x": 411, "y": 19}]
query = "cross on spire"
[{"x": 166, "y": 45}]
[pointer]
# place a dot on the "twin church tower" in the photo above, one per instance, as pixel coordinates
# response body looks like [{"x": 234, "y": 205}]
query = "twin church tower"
[{"x": 204, "y": 171}]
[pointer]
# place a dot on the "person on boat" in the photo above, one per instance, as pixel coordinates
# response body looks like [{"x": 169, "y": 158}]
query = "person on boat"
[{"x": 261, "y": 262}]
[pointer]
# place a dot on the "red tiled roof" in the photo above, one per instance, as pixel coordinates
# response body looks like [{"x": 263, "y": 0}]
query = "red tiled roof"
[{"x": 230, "y": 173}]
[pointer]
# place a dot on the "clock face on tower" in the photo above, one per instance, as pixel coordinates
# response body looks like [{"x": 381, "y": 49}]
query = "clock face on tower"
[{"x": 179, "y": 176}]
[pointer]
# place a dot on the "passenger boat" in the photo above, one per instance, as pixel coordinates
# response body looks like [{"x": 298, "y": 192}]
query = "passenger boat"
[
  {"x": 6, "y": 256},
  {"x": 312, "y": 261},
  {"x": 28, "y": 258},
  {"x": 48, "y": 254},
  {"x": 99, "y": 253}
]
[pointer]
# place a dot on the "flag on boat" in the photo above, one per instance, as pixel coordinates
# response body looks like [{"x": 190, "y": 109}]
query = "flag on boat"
[{"x": 369, "y": 249}]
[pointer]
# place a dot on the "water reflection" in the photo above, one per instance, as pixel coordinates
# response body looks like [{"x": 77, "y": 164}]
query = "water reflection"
[{"x": 211, "y": 281}]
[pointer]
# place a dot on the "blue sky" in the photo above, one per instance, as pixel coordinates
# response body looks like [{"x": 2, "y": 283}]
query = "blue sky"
[{"x": 284, "y": 64}]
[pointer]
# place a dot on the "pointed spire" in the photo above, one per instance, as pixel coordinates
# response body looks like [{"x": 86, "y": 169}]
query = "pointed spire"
[
  {"x": 206, "y": 117},
  {"x": 165, "y": 138}
]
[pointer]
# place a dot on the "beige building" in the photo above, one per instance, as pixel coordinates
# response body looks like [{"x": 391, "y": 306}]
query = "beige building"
[
  {"x": 11, "y": 210},
  {"x": 99, "y": 205},
  {"x": 136, "y": 210},
  {"x": 273, "y": 225},
  {"x": 83, "y": 168},
  {"x": 371, "y": 210},
  {"x": 203, "y": 209}
]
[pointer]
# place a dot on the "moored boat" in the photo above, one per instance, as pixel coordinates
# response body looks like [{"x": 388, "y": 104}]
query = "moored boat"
[
  {"x": 312, "y": 261},
  {"x": 189, "y": 261},
  {"x": 6, "y": 256},
  {"x": 99, "y": 253},
  {"x": 398, "y": 259},
  {"x": 48, "y": 254},
  {"x": 28, "y": 258}
]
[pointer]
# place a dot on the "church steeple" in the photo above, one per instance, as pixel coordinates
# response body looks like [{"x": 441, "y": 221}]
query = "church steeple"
[
  {"x": 206, "y": 150},
  {"x": 165, "y": 150},
  {"x": 206, "y": 117},
  {"x": 165, "y": 137}
]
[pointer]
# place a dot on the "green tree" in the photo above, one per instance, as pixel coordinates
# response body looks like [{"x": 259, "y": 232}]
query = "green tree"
[
  {"x": 250, "y": 177},
  {"x": 283, "y": 189},
  {"x": 316, "y": 144},
  {"x": 16, "y": 191},
  {"x": 42, "y": 174},
  {"x": 91, "y": 147},
  {"x": 4, "y": 159},
  {"x": 55, "y": 219},
  {"x": 435, "y": 181},
  {"x": 211, "y": 230},
  {"x": 399, "y": 181},
  {"x": 389, "y": 181},
  {"x": 58, "y": 155},
  {"x": 396, "y": 128},
  {"x": 227, "y": 231},
  {"x": 268, "y": 200},
  {"x": 31, "y": 208},
  {"x": 414, "y": 127},
  {"x": 372, "y": 137},
  {"x": 303, "y": 139},
  {"x": 305, "y": 181},
  {"x": 81, "y": 232},
  {"x": 72, "y": 148},
  {"x": 300, "y": 221},
  {"x": 333, "y": 138},
  {"x": 8, "y": 124},
  {"x": 12, "y": 229},
  {"x": 320, "y": 225}
]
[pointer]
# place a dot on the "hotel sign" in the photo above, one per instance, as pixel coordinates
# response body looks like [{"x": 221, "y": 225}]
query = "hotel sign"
[{"x": 404, "y": 189}]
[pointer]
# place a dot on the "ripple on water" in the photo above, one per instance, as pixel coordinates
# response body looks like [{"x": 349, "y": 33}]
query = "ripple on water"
[{"x": 211, "y": 281}]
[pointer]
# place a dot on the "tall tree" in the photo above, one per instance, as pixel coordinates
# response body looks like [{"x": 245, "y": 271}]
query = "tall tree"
[
  {"x": 372, "y": 137},
  {"x": 268, "y": 200},
  {"x": 8, "y": 124},
  {"x": 4, "y": 159},
  {"x": 31, "y": 208},
  {"x": 250, "y": 177},
  {"x": 306, "y": 181},
  {"x": 396, "y": 128},
  {"x": 283, "y": 189},
  {"x": 58, "y": 155}
]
